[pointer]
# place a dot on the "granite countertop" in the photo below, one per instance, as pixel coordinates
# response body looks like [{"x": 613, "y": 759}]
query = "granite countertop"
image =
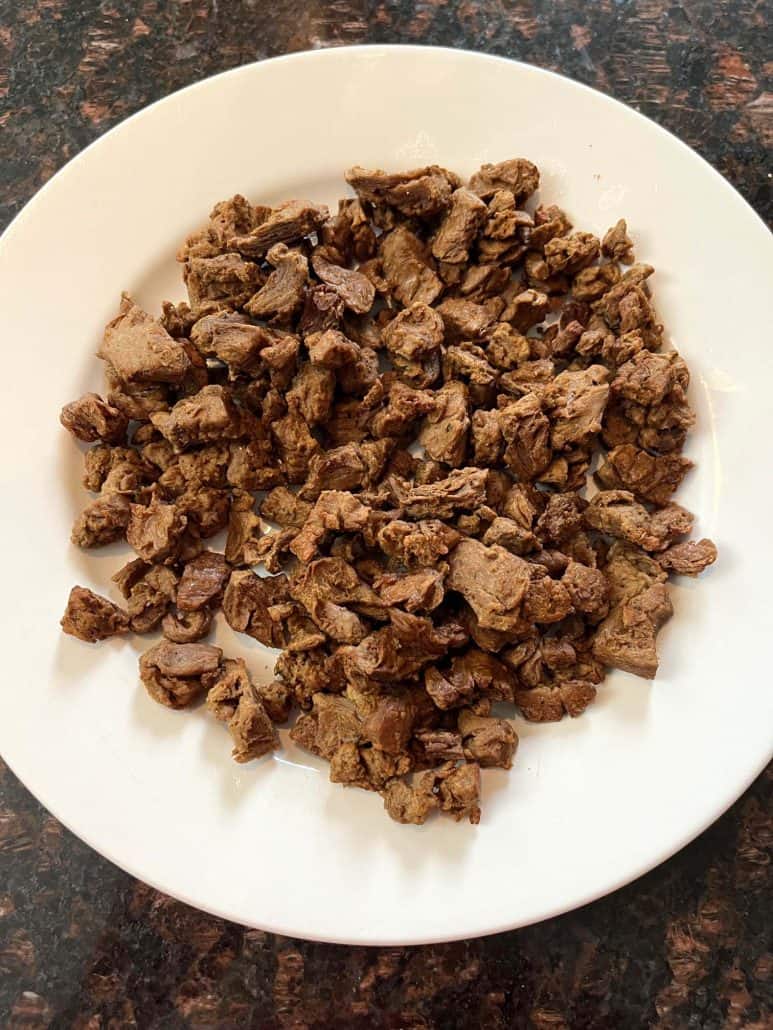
[{"x": 81, "y": 943}]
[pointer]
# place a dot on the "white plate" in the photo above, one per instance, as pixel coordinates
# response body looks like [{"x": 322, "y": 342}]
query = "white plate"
[{"x": 590, "y": 803}]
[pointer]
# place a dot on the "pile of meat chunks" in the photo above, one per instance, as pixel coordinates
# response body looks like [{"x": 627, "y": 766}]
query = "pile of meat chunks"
[{"x": 415, "y": 393}]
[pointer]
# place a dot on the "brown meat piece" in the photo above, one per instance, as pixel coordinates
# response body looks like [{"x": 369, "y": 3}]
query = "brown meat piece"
[
  {"x": 296, "y": 445},
  {"x": 491, "y": 580},
  {"x": 570, "y": 254},
  {"x": 462, "y": 490},
  {"x": 240, "y": 346},
  {"x": 575, "y": 403},
  {"x": 334, "y": 510},
  {"x": 91, "y": 617},
  {"x": 156, "y": 531},
  {"x": 415, "y": 333},
  {"x": 332, "y": 349},
  {"x": 244, "y": 532},
  {"x": 224, "y": 279},
  {"x": 526, "y": 431},
  {"x": 561, "y": 518},
  {"x": 150, "y": 591},
  {"x": 516, "y": 175},
  {"x": 342, "y": 468},
  {"x": 323, "y": 308},
  {"x": 140, "y": 350},
  {"x": 403, "y": 408},
  {"x": 310, "y": 672},
  {"x": 458, "y": 789},
  {"x": 176, "y": 674},
  {"x": 420, "y": 193},
  {"x": 284, "y": 507},
  {"x": 234, "y": 700},
  {"x": 247, "y": 602},
  {"x": 277, "y": 700},
  {"x": 417, "y": 543},
  {"x": 102, "y": 521},
  {"x": 419, "y": 591},
  {"x": 282, "y": 296},
  {"x": 312, "y": 392},
  {"x": 186, "y": 627},
  {"x": 407, "y": 268},
  {"x": 202, "y": 581},
  {"x": 287, "y": 223},
  {"x": 90, "y": 418},
  {"x": 549, "y": 703},
  {"x": 511, "y": 535},
  {"x": 390, "y": 724},
  {"x": 489, "y": 742},
  {"x": 648, "y": 377},
  {"x": 526, "y": 309},
  {"x": 407, "y": 804},
  {"x": 619, "y": 514},
  {"x": 355, "y": 290},
  {"x": 689, "y": 558},
  {"x": 626, "y": 639},
  {"x": 466, "y": 320},
  {"x": 210, "y": 416},
  {"x": 463, "y": 220},
  {"x": 650, "y": 477},
  {"x": 446, "y": 428},
  {"x": 588, "y": 589},
  {"x": 487, "y": 440},
  {"x": 616, "y": 243},
  {"x": 327, "y": 588}
]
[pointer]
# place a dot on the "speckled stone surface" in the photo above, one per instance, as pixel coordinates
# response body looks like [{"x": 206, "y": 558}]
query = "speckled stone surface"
[{"x": 83, "y": 945}]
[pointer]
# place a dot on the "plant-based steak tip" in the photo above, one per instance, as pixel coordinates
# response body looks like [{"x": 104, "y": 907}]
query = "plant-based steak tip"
[{"x": 395, "y": 411}]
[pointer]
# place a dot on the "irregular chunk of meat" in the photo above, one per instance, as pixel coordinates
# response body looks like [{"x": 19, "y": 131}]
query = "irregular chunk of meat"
[
  {"x": 156, "y": 531},
  {"x": 102, "y": 521},
  {"x": 511, "y": 535},
  {"x": 561, "y": 518},
  {"x": 140, "y": 350},
  {"x": 282, "y": 296},
  {"x": 175, "y": 675},
  {"x": 616, "y": 243},
  {"x": 404, "y": 406},
  {"x": 342, "y": 468},
  {"x": 549, "y": 703},
  {"x": 91, "y": 617},
  {"x": 332, "y": 349},
  {"x": 588, "y": 589},
  {"x": 618, "y": 513},
  {"x": 626, "y": 639},
  {"x": 244, "y": 532},
  {"x": 461, "y": 490},
  {"x": 323, "y": 308},
  {"x": 648, "y": 377},
  {"x": 457, "y": 788},
  {"x": 489, "y": 742},
  {"x": 310, "y": 672},
  {"x": 650, "y": 477},
  {"x": 234, "y": 700},
  {"x": 396, "y": 653},
  {"x": 487, "y": 440},
  {"x": 312, "y": 393},
  {"x": 575, "y": 403},
  {"x": 414, "y": 333},
  {"x": 284, "y": 507},
  {"x": 464, "y": 218},
  {"x": 466, "y": 320},
  {"x": 287, "y": 223},
  {"x": 225, "y": 279},
  {"x": 570, "y": 254},
  {"x": 419, "y": 591},
  {"x": 90, "y": 418},
  {"x": 186, "y": 627},
  {"x": 526, "y": 309},
  {"x": 247, "y": 606},
  {"x": 390, "y": 724},
  {"x": 357, "y": 292},
  {"x": 408, "y": 804},
  {"x": 334, "y": 510},
  {"x": 239, "y": 346},
  {"x": 689, "y": 558},
  {"x": 296, "y": 444},
  {"x": 422, "y": 192},
  {"x": 202, "y": 581},
  {"x": 446, "y": 428},
  {"x": 526, "y": 431},
  {"x": 417, "y": 543},
  {"x": 150, "y": 591},
  {"x": 407, "y": 268},
  {"x": 328, "y": 588},
  {"x": 210, "y": 416},
  {"x": 516, "y": 175},
  {"x": 491, "y": 580}
]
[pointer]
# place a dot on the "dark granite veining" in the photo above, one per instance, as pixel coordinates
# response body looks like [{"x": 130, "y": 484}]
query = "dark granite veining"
[{"x": 83, "y": 945}]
